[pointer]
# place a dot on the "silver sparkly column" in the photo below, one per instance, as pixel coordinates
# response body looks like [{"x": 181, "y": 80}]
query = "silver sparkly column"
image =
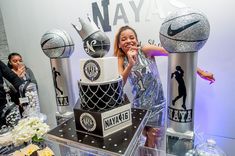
[
  {"x": 181, "y": 91},
  {"x": 58, "y": 46},
  {"x": 63, "y": 84},
  {"x": 182, "y": 34}
]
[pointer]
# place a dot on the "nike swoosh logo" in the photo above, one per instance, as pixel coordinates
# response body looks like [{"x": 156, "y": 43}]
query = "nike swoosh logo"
[
  {"x": 171, "y": 32},
  {"x": 46, "y": 41}
]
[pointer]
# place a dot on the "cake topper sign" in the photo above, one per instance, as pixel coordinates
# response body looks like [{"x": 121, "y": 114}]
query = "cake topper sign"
[{"x": 91, "y": 70}]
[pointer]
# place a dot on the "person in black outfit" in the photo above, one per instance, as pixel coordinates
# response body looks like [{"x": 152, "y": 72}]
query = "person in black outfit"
[
  {"x": 5, "y": 72},
  {"x": 179, "y": 74},
  {"x": 55, "y": 74},
  {"x": 15, "y": 63}
]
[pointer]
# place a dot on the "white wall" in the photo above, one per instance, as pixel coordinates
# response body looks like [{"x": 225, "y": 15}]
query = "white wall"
[{"x": 27, "y": 20}]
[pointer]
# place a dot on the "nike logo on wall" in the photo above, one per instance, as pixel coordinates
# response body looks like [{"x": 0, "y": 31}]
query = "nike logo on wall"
[{"x": 171, "y": 32}]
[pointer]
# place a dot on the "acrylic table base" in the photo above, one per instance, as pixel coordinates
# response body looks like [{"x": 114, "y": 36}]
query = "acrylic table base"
[
  {"x": 178, "y": 143},
  {"x": 60, "y": 118},
  {"x": 123, "y": 142}
]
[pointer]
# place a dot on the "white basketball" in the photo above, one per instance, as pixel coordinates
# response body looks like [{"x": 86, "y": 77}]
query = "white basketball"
[{"x": 57, "y": 43}]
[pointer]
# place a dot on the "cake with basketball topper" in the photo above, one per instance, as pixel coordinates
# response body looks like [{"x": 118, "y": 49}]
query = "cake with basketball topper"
[{"x": 100, "y": 86}]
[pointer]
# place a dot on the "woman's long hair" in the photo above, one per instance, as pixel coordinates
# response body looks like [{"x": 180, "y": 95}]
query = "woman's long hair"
[{"x": 118, "y": 51}]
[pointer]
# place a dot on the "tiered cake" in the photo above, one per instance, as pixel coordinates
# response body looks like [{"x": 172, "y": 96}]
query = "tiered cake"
[{"x": 101, "y": 109}]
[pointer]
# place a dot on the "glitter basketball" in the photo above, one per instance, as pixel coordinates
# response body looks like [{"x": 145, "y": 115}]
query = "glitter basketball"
[
  {"x": 57, "y": 43},
  {"x": 185, "y": 30}
]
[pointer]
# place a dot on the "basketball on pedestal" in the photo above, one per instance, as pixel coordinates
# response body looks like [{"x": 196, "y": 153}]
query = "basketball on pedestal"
[
  {"x": 57, "y": 43},
  {"x": 185, "y": 30}
]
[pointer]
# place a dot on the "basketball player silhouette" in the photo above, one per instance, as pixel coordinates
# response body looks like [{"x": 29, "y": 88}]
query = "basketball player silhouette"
[
  {"x": 179, "y": 73},
  {"x": 55, "y": 74}
]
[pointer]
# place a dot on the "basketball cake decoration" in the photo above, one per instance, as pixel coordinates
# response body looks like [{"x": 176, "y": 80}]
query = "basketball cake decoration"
[
  {"x": 99, "y": 89},
  {"x": 100, "y": 86},
  {"x": 103, "y": 117}
]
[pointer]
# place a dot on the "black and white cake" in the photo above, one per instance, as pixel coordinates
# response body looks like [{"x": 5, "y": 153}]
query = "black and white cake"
[
  {"x": 100, "y": 90},
  {"x": 101, "y": 109}
]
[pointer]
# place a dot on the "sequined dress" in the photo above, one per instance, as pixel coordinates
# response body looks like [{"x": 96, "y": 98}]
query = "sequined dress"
[{"x": 147, "y": 88}]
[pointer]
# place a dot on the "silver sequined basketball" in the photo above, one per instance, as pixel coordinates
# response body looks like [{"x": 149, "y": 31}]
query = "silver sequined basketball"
[
  {"x": 57, "y": 43},
  {"x": 185, "y": 30}
]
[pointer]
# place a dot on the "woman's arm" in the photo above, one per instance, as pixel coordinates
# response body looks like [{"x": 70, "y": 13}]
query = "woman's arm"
[
  {"x": 153, "y": 50},
  {"x": 206, "y": 75},
  {"x": 125, "y": 71}
]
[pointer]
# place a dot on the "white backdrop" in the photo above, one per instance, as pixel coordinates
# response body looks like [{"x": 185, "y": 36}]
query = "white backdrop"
[{"x": 27, "y": 20}]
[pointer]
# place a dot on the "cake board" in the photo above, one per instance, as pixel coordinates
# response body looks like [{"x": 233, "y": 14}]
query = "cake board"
[{"x": 121, "y": 143}]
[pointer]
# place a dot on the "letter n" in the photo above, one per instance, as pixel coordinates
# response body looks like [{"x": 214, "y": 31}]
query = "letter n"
[{"x": 104, "y": 20}]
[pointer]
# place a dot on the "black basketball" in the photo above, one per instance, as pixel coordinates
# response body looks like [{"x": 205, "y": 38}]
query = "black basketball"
[{"x": 97, "y": 44}]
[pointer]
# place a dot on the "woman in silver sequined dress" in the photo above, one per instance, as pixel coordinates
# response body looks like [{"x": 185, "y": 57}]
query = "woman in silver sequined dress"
[{"x": 137, "y": 63}]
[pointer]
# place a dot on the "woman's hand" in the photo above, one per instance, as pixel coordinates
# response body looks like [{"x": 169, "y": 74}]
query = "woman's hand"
[
  {"x": 132, "y": 56},
  {"x": 20, "y": 71},
  {"x": 206, "y": 75}
]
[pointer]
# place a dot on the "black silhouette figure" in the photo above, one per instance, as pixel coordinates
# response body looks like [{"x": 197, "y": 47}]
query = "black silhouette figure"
[
  {"x": 179, "y": 73},
  {"x": 55, "y": 74}
]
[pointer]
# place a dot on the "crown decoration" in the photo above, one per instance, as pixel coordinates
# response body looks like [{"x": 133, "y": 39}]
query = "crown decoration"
[
  {"x": 87, "y": 28},
  {"x": 95, "y": 42}
]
